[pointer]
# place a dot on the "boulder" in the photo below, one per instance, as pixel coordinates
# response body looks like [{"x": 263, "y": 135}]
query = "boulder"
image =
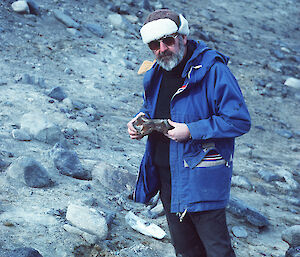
[
  {"x": 40, "y": 127},
  {"x": 30, "y": 172},
  {"x": 238, "y": 208},
  {"x": 68, "y": 163},
  {"x": 88, "y": 220},
  {"x": 116, "y": 179}
]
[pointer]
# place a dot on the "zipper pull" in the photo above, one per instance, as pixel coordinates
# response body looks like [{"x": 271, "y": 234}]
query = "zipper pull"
[{"x": 181, "y": 215}]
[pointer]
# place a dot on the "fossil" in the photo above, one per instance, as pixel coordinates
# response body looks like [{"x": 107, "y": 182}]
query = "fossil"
[{"x": 145, "y": 126}]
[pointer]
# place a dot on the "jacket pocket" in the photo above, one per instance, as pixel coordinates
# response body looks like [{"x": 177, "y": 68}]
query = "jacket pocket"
[
  {"x": 207, "y": 156},
  {"x": 209, "y": 183}
]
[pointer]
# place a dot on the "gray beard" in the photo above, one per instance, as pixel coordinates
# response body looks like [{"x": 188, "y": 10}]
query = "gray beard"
[{"x": 172, "y": 59}]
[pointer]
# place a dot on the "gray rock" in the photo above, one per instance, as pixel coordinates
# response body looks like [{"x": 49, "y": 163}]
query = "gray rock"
[
  {"x": 24, "y": 252},
  {"x": 116, "y": 179},
  {"x": 2, "y": 81},
  {"x": 68, "y": 163},
  {"x": 293, "y": 252},
  {"x": 284, "y": 133},
  {"x": 91, "y": 239},
  {"x": 278, "y": 54},
  {"x": 21, "y": 135},
  {"x": 121, "y": 23},
  {"x": 27, "y": 79},
  {"x": 274, "y": 66},
  {"x": 270, "y": 176},
  {"x": 240, "y": 209},
  {"x": 242, "y": 182},
  {"x": 58, "y": 93},
  {"x": 20, "y": 7},
  {"x": 293, "y": 83},
  {"x": 3, "y": 165},
  {"x": 239, "y": 232},
  {"x": 96, "y": 29},
  {"x": 65, "y": 19},
  {"x": 88, "y": 220},
  {"x": 29, "y": 171},
  {"x": 33, "y": 7},
  {"x": 292, "y": 236}
]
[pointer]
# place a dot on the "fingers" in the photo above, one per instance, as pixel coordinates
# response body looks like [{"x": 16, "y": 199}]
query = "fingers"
[{"x": 133, "y": 133}]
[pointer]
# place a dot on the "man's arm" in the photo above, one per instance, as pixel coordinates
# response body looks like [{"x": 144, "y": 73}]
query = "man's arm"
[{"x": 231, "y": 118}]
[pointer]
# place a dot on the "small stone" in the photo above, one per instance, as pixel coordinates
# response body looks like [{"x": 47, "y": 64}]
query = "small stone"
[
  {"x": 239, "y": 232},
  {"x": 24, "y": 252},
  {"x": 65, "y": 19},
  {"x": 96, "y": 30},
  {"x": 242, "y": 182},
  {"x": 20, "y": 7},
  {"x": 33, "y": 7},
  {"x": 270, "y": 176},
  {"x": 284, "y": 133},
  {"x": 58, "y": 93},
  {"x": 277, "y": 53},
  {"x": 146, "y": 228},
  {"x": 292, "y": 236},
  {"x": 21, "y": 135},
  {"x": 27, "y": 79},
  {"x": 293, "y": 252},
  {"x": 293, "y": 82}
]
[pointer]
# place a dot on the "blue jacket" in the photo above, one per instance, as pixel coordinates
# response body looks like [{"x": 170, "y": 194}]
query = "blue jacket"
[{"x": 211, "y": 103}]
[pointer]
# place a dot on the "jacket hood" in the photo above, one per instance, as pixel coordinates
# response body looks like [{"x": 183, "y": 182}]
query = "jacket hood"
[{"x": 204, "y": 56}]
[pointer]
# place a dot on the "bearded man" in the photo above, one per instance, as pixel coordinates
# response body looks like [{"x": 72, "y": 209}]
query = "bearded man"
[{"x": 191, "y": 164}]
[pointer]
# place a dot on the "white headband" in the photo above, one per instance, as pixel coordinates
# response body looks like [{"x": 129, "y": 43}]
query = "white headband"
[{"x": 159, "y": 28}]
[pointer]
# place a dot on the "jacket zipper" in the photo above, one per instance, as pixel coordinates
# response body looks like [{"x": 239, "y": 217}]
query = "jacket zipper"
[{"x": 181, "y": 215}]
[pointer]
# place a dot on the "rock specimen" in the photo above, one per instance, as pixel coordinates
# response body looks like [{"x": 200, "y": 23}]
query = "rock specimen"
[{"x": 145, "y": 126}]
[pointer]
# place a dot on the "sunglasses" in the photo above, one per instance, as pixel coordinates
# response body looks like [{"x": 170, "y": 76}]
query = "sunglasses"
[{"x": 167, "y": 40}]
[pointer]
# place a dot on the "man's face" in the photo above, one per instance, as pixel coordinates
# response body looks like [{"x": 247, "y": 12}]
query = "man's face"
[{"x": 168, "y": 56}]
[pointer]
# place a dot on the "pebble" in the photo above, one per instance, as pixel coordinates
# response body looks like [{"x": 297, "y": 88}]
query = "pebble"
[
  {"x": 96, "y": 30},
  {"x": 65, "y": 19},
  {"x": 284, "y": 133},
  {"x": 58, "y": 93},
  {"x": 239, "y": 232},
  {"x": 242, "y": 182},
  {"x": 269, "y": 176},
  {"x": 20, "y": 7},
  {"x": 33, "y": 7},
  {"x": 293, "y": 82},
  {"x": 292, "y": 235},
  {"x": 277, "y": 53},
  {"x": 21, "y": 135}
]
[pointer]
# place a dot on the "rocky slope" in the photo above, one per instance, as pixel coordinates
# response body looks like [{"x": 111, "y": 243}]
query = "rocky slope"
[{"x": 68, "y": 73}]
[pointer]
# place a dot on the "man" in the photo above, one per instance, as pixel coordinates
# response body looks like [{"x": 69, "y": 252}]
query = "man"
[{"x": 191, "y": 164}]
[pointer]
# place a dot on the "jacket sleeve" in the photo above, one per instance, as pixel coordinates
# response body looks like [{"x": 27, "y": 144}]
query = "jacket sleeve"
[{"x": 230, "y": 117}]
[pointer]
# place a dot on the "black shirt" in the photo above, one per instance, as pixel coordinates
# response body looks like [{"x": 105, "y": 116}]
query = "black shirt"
[{"x": 171, "y": 82}]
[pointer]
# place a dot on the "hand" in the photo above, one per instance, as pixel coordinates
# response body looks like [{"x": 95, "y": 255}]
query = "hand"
[
  {"x": 134, "y": 134},
  {"x": 179, "y": 133}
]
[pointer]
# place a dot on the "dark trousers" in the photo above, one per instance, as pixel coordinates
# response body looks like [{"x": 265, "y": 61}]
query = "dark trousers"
[{"x": 200, "y": 234}]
